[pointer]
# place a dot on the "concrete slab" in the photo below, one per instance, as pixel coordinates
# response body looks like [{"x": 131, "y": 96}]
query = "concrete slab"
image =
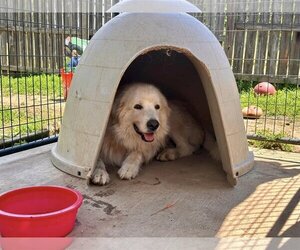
[{"x": 180, "y": 198}]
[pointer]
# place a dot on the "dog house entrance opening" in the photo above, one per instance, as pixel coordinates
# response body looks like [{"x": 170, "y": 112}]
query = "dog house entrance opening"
[{"x": 172, "y": 71}]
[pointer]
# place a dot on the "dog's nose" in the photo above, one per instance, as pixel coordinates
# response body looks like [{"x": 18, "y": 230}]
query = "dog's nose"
[{"x": 152, "y": 124}]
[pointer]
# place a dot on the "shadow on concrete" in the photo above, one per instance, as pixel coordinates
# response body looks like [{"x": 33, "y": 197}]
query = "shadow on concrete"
[
  {"x": 292, "y": 231},
  {"x": 269, "y": 208}
]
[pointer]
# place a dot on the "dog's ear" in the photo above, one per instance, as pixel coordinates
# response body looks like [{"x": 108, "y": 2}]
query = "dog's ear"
[
  {"x": 118, "y": 110},
  {"x": 166, "y": 106},
  {"x": 168, "y": 110}
]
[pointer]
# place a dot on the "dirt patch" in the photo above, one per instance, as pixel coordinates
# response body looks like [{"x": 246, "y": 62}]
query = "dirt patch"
[
  {"x": 289, "y": 127},
  {"x": 277, "y": 125},
  {"x": 107, "y": 208},
  {"x": 105, "y": 193}
]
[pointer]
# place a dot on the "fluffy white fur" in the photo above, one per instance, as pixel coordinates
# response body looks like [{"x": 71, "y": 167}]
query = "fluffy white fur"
[{"x": 128, "y": 142}]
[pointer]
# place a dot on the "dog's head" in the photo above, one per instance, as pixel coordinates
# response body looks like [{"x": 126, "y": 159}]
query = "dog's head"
[{"x": 142, "y": 111}]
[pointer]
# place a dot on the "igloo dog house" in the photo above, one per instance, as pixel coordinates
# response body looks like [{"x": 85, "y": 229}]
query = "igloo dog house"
[{"x": 160, "y": 44}]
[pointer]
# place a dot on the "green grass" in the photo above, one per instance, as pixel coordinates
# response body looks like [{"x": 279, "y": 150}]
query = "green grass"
[
  {"x": 24, "y": 121},
  {"x": 20, "y": 115},
  {"x": 18, "y": 121},
  {"x": 45, "y": 85}
]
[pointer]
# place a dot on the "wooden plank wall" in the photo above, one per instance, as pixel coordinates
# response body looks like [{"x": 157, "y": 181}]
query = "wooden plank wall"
[{"x": 259, "y": 46}]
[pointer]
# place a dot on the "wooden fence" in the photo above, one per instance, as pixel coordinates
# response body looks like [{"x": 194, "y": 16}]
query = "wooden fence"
[
  {"x": 35, "y": 42},
  {"x": 259, "y": 46}
]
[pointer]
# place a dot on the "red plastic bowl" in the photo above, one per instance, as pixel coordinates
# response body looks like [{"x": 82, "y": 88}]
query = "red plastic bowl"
[{"x": 41, "y": 211}]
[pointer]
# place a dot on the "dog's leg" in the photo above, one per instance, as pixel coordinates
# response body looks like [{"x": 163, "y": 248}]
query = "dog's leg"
[
  {"x": 99, "y": 176},
  {"x": 184, "y": 131},
  {"x": 131, "y": 166},
  {"x": 183, "y": 148}
]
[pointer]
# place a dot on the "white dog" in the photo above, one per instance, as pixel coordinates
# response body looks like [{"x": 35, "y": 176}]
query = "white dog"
[{"x": 140, "y": 124}]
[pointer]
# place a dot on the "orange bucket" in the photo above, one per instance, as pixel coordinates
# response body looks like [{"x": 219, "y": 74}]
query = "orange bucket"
[{"x": 66, "y": 81}]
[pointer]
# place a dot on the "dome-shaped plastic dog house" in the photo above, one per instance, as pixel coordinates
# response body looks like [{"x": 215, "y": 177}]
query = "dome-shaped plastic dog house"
[{"x": 168, "y": 48}]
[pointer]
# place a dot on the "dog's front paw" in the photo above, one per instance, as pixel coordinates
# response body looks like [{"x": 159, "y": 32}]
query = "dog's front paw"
[
  {"x": 128, "y": 171},
  {"x": 100, "y": 177},
  {"x": 169, "y": 154}
]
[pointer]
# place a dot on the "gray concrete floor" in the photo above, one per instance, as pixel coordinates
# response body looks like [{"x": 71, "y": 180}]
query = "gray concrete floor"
[{"x": 200, "y": 201}]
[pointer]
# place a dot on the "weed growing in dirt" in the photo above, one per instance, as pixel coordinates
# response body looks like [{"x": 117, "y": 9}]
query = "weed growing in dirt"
[{"x": 271, "y": 141}]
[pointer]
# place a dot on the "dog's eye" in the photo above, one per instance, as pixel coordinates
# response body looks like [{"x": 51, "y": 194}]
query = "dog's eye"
[
  {"x": 157, "y": 106},
  {"x": 138, "y": 106}
]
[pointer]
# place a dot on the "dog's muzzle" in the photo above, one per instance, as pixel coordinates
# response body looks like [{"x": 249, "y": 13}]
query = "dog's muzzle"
[{"x": 147, "y": 137}]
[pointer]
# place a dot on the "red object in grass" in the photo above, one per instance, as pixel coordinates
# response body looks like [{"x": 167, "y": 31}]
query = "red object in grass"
[
  {"x": 66, "y": 81},
  {"x": 252, "y": 112},
  {"x": 264, "y": 88},
  {"x": 40, "y": 211}
]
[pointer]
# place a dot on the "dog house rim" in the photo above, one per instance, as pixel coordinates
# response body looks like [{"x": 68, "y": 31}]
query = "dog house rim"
[{"x": 72, "y": 168}]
